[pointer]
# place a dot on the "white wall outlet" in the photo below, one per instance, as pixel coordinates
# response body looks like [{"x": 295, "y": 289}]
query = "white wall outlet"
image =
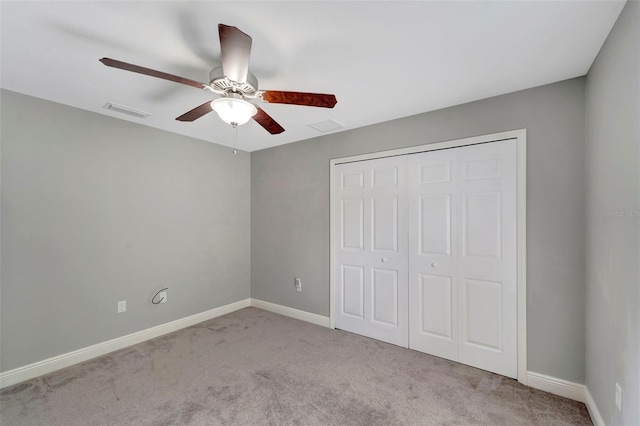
[
  {"x": 122, "y": 306},
  {"x": 298, "y": 283},
  {"x": 162, "y": 297},
  {"x": 619, "y": 397}
]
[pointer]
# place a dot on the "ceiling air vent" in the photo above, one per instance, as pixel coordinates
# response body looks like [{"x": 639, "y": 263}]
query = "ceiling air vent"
[
  {"x": 327, "y": 126},
  {"x": 126, "y": 110}
]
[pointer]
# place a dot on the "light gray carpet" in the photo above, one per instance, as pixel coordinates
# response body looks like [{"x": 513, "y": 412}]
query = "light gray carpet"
[{"x": 254, "y": 367}]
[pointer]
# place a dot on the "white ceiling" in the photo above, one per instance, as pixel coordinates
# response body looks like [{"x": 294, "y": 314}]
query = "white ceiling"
[{"x": 382, "y": 60}]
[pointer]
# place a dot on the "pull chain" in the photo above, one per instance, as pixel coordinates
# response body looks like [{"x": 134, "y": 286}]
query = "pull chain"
[{"x": 235, "y": 138}]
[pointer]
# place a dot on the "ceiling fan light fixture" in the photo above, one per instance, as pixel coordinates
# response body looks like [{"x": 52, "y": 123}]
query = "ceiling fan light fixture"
[{"x": 234, "y": 111}]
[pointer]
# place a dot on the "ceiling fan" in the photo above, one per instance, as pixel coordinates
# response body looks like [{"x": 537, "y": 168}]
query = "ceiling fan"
[{"x": 235, "y": 85}]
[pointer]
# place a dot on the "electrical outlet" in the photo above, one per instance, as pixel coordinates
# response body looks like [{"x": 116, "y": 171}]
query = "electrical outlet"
[
  {"x": 122, "y": 306},
  {"x": 298, "y": 283},
  {"x": 619, "y": 397},
  {"x": 162, "y": 296}
]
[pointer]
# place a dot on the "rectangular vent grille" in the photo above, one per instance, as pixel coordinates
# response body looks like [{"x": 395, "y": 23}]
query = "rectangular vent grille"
[
  {"x": 327, "y": 126},
  {"x": 126, "y": 110}
]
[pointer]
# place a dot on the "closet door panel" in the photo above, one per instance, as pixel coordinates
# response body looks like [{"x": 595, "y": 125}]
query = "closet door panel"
[
  {"x": 350, "y": 271},
  {"x": 371, "y": 252},
  {"x": 433, "y": 283},
  {"x": 487, "y": 265}
]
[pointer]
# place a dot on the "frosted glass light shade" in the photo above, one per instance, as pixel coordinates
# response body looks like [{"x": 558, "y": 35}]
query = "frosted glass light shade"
[{"x": 233, "y": 110}]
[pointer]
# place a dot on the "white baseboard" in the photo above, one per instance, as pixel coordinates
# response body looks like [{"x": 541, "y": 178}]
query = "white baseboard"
[
  {"x": 556, "y": 386},
  {"x": 49, "y": 365},
  {"x": 567, "y": 389},
  {"x": 592, "y": 408},
  {"x": 290, "y": 312}
]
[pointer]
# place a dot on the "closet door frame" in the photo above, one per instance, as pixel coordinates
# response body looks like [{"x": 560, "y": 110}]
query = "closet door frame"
[{"x": 520, "y": 137}]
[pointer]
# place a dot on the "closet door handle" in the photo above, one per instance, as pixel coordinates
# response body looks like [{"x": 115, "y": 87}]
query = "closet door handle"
[
  {"x": 383, "y": 260},
  {"x": 434, "y": 264}
]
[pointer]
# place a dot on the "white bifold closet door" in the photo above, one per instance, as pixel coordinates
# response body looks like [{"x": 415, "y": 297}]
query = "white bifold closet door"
[
  {"x": 462, "y": 255},
  {"x": 425, "y": 252},
  {"x": 371, "y": 270}
]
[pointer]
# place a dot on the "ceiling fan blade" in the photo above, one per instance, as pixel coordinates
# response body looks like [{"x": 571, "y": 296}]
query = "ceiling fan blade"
[
  {"x": 269, "y": 124},
  {"x": 299, "y": 98},
  {"x": 153, "y": 73},
  {"x": 196, "y": 113},
  {"x": 236, "y": 49}
]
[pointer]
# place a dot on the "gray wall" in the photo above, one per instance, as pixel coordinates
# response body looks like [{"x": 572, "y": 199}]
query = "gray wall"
[
  {"x": 96, "y": 210},
  {"x": 290, "y": 210},
  {"x": 613, "y": 252}
]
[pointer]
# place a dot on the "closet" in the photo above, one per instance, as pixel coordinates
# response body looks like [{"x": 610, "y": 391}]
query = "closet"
[{"x": 425, "y": 252}]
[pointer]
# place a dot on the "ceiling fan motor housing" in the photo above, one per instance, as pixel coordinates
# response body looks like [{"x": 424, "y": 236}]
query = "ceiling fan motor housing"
[{"x": 220, "y": 82}]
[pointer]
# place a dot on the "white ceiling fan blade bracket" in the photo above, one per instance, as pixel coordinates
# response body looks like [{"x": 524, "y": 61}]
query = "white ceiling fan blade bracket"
[{"x": 260, "y": 96}]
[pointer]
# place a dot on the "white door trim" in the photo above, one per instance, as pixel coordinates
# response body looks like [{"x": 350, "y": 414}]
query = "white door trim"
[{"x": 521, "y": 221}]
